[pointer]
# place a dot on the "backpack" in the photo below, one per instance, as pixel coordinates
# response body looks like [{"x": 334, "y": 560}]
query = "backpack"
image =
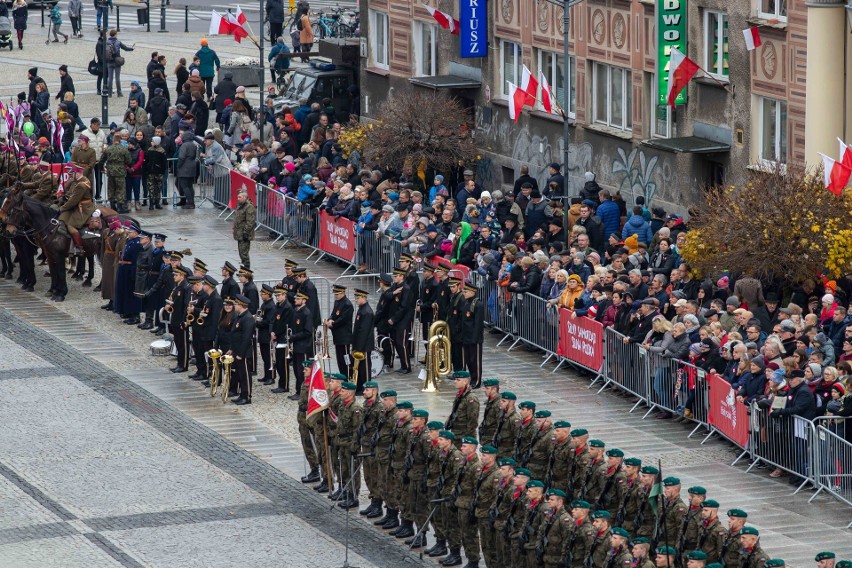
[
  {"x": 109, "y": 51},
  {"x": 299, "y": 24}
]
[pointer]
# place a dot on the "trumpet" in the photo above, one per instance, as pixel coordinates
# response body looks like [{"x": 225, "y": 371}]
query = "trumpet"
[
  {"x": 227, "y": 361},
  {"x": 357, "y": 357},
  {"x": 438, "y": 362},
  {"x": 258, "y": 316},
  {"x": 418, "y": 330},
  {"x": 289, "y": 341},
  {"x": 271, "y": 354},
  {"x": 214, "y": 355},
  {"x": 322, "y": 339},
  {"x": 169, "y": 307}
]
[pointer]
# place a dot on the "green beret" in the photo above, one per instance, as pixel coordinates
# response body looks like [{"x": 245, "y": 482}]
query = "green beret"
[
  {"x": 580, "y": 504},
  {"x": 615, "y": 453},
  {"x": 491, "y": 383},
  {"x": 597, "y": 444},
  {"x": 488, "y": 450},
  {"x": 696, "y": 555},
  {"x": 542, "y": 414},
  {"x": 446, "y": 434},
  {"x": 507, "y": 462},
  {"x": 347, "y": 386},
  {"x": 561, "y": 424},
  {"x": 618, "y": 531},
  {"x": 535, "y": 483},
  {"x": 843, "y": 564},
  {"x": 461, "y": 375},
  {"x": 404, "y": 405},
  {"x": 557, "y": 493},
  {"x": 666, "y": 551},
  {"x": 602, "y": 514},
  {"x": 371, "y": 385},
  {"x": 749, "y": 530},
  {"x": 508, "y": 396},
  {"x": 523, "y": 471},
  {"x": 307, "y": 363},
  {"x": 635, "y": 462},
  {"x": 711, "y": 503},
  {"x": 420, "y": 413},
  {"x": 577, "y": 432},
  {"x": 337, "y": 376},
  {"x": 697, "y": 490},
  {"x": 650, "y": 470},
  {"x": 737, "y": 513},
  {"x": 527, "y": 404},
  {"x": 641, "y": 540},
  {"x": 671, "y": 481},
  {"x": 828, "y": 555},
  {"x": 470, "y": 440},
  {"x": 388, "y": 394},
  {"x": 435, "y": 425},
  {"x": 774, "y": 563}
]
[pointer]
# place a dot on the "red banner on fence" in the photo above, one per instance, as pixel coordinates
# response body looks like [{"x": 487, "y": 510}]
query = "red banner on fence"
[
  {"x": 239, "y": 182},
  {"x": 456, "y": 270},
  {"x": 726, "y": 414},
  {"x": 337, "y": 237},
  {"x": 580, "y": 340}
]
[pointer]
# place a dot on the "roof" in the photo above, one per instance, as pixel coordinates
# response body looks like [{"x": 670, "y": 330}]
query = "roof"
[{"x": 688, "y": 145}]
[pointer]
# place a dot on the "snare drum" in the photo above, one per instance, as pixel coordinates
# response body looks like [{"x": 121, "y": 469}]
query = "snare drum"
[
  {"x": 161, "y": 347},
  {"x": 377, "y": 363}
]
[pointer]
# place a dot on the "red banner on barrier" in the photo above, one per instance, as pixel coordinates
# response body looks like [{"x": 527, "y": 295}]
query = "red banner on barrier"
[
  {"x": 238, "y": 182},
  {"x": 456, "y": 270},
  {"x": 337, "y": 237},
  {"x": 726, "y": 414},
  {"x": 580, "y": 340}
]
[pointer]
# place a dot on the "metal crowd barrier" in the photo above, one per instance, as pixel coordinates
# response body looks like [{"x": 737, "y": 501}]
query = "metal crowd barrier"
[
  {"x": 785, "y": 442},
  {"x": 377, "y": 252},
  {"x": 628, "y": 367},
  {"x": 833, "y": 459},
  {"x": 537, "y": 325},
  {"x": 678, "y": 386}
]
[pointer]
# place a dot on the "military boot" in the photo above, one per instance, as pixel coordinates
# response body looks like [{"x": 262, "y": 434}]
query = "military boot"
[
  {"x": 406, "y": 530},
  {"x": 373, "y": 504},
  {"x": 384, "y": 519},
  {"x": 440, "y": 549},
  {"x": 454, "y": 559},
  {"x": 312, "y": 477},
  {"x": 393, "y": 520}
]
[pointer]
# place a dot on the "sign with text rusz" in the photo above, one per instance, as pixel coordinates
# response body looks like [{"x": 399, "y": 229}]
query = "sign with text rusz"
[
  {"x": 473, "y": 18},
  {"x": 671, "y": 32}
]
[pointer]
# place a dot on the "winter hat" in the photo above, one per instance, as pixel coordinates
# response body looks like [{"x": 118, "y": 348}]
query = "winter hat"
[
  {"x": 828, "y": 299},
  {"x": 134, "y": 82},
  {"x": 589, "y": 176},
  {"x": 440, "y": 178},
  {"x": 593, "y": 310},
  {"x": 290, "y": 167},
  {"x": 838, "y": 386},
  {"x": 33, "y": 71},
  {"x": 485, "y": 194},
  {"x": 158, "y": 91},
  {"x": 759, "y": 362},
  {"x": 241, "y": 89},
  {"x": 778, "y": 376},
  {"x": 815, "y": 369},
  {"x": 228, "y": 102},
  {"x": 196, "y": 73},
  {"x": 204, "y": 41},
  {"x": 723, "y": 283},
  {"x": 155, "y": 140},
  {"x": 695, "y": 348},
  {"x": 63, "y": 68},
  {"x": 307, "y": 177}
]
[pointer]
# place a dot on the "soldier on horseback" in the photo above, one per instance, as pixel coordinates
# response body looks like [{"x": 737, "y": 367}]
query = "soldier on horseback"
[{"x": 78, "y": 206}]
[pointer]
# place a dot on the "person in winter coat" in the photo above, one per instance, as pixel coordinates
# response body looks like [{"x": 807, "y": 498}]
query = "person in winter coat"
[
  {"x": 306, "y": 31},
  {"x": 73, "y": 109},
  {"x": 187, "y": 168},
  {"x": 590, "y": 188},
  {"x": 800, "y": 402},
  {"x": 195, "y": 82},
  {"x": 225, "y": 90},
  {"x": 593, "y": 226},
  {"x": 609, "y": 213},
  {"x": 133, "y": 181},
  {"x": 136, "y": 94},
  {"x": 19, "y": 15},
  {"x": 56, "y": 24},
  {"x": 752, "y": 384},
  {"x": 181, "y": 75},
  {"x": 208, "y": 66},
  {"x": 201, "y": 112},
  {"x": 821, "y": 343},
  {"x": 75, "y": 14},
  {"x": 158, "y": 81},
  {"x": 156, "y": 163},
  {"x": 662, "y": 260},
  {"x": 113, "y": 48},
  {"x": 637, "y": 225},
  {"x": 275, "y": 17},
  {"x": 157, "y": 108},
  {"x": 278, "y": 64},
  {"x": 66, "y": 83}
]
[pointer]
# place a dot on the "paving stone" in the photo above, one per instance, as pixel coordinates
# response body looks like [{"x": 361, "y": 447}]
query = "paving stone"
[{"x": 67, "y": 552}]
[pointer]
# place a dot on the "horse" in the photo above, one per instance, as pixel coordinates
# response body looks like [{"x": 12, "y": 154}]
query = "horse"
[{"x": 25, "y": 250}]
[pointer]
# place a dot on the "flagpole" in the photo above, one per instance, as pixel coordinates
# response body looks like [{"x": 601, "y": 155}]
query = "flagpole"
[{"x": 329, "y": 479}]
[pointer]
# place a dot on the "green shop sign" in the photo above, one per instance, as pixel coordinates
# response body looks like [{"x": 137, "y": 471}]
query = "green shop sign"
[{"x": 671, "y": 32}]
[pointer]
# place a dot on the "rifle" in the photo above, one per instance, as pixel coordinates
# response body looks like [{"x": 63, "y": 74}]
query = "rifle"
[
  {"x": 471, "y": 509},
  {"x": 528, "y": 452},
  {"x": 374, "y": 441},
  {"x": 527, "y": 531},
  {"x": 409, "y": 461},
  {"x": 590, "y": 470},
  {"x": 571, "y": 476},
  {"x": 423, "y": 481},
  {"x": 452, "y": 418},
  {"x": 362, "y": 429},
  {"x": 441, "y": 478},
  {"x": 510, "y": 522},
  {"x": 542, "y": 546},
  {"x": 681, "y": 541},
  {"x": 517, "y": 452},
  {"x": 622, "y": 511},
  {"x": 496, "y": 439},
  {"x": 494, "y": 509},
  {"x": 587, "y": 563},
  {"x": 548, "y": 476},
  {"x": 605, "y": 497},
  {"x": 661, "y": 520},
  {"x": 457, "y": 486},
  {"x": 640, "y": 514},
  {"x": 569, "y": 551}
]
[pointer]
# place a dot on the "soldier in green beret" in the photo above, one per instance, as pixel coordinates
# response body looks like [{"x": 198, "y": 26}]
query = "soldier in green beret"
[
  {"x": 844, "y": 564},
  {"x": 306, "y": 434},
  {"x": 730, "y": 555},
  {"x": 415, "y": 509},
  {"x": 498, "y": 513},
  {"x": 553, "y": 532},
  {"x": 450, "y": 459},
  {"x": 711, "y": 535},
  {"x": 775, "y": 563},
  {"x": 395, "y": 496},
  {"x": 590, "y": 486},
  {"x": 645, "y": 521},
  {"x": 491, "y": 415},
  {"x": 517, "y": 515},
  {"x": 536, "y": 455},
  {"x": 368, "y": 437},
  {"x": 631, "y": 468},
  {"x": 532, "y": 521},
  {"x": 751, "y": 554},
  {"x": 507, "y": 426},
  {"x": 696, "y": 559},
  {"x": 526, "y": 429},
  {"x": 465, "y": 413},
  {"x": 349, "y": 419},
  {"x": 580, "y": 463},
  {"x": 561, "y": 457},
  {"x": 690, "y": 524},
  {"x": 666, "y": 557},
  {"x": 385, "y": 427},
  {"x": 640, "y": 548},
  {"x": 484, "y": 496},
  {"x": 672, "y": 509},
  {"x": 467, "y": 476},
  {"x": 825, "y": 559},
  {"x": 580, "y": 543},
  {"x": 610, "y": 483},
  {"x": 429, "y": 488},
  {"x": 618, "y": 554}
]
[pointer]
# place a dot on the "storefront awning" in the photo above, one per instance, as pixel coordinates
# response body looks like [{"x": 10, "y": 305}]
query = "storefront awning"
[
  {"x": 688, "y": 145},
  {"x": 446, "y": 82}
]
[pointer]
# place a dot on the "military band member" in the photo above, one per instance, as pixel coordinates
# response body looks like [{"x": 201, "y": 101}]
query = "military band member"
[
  {"x": 199, "y": 268},
  {"x": 507, "y": 425},
  {"x": 308, "y": 288},
  {"x": 415, "y": 508},
  {"x": 473, "y": 334},
  {"x": 441, "y": 303},
  {"x": 640, "y": 550},
  {"x": 687, "y": 537},
  {"x": 619, "y": 554},
  {"x": 204, "y": 327},
  {"x": 381, "y": 445},
  {"x": 498, "y": 513},
  {"x": 491, "y": 415},
  {"x": 305, "y": 432},
  {"x": 179, "y": 301},
  {"x": 394, "y": 495},
  {"x": 382, "y": 315},
  {"x": 465, "y": 413},
  {"x": 249, "y": 290},
  {"x": 526, "y": 429},
  {"x": 363, "y": 337},
  {"x": 154, "y": 297},
  {"x": 196, "y": 304},
  {"x": 241, "y": 338},
  {"x": 430, "y": 489},
  {"x": 349, "y": 418},
  {"x": 230, "y": 287},
  {"x": 144, "y": 264},
  {"x": 484, "y": 496},
  {"x": 537, "y": 454},
  {"x": 340, "y": 323},
  {"x": 368, "y": 436},
  {"x": 428, "y": 296},
  {"x": 280, "y": 331},
  {"x": 455, "y": 321},
  {"x": 289, "y": 281},
  {"x": 265, "y": 320},
  {"x": 711, "y": 534},
  {"x": 751, "y": 554},
  {"x": 561, "y": 456},
  {"x": 302, "y": 338},
  {"x": 730, "y": 555},
  {"x": 412, "y": 280},
  {"x": 399, "y": 319}
]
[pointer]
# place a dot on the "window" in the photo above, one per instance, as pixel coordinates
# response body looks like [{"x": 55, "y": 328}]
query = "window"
[
  {"x": 379, "y": 39},
  {"x": 552, "y": 65},
  {"x": 425, "y": 38},
  {"x": 772, "y": 9},
  {"x": 611, "y": 96},
  {"x": 660, "y": 115},
  {"x": 716, "y": 44},
  {"x": 773, "y": 130},
  {"x": 510, "y": 67}
]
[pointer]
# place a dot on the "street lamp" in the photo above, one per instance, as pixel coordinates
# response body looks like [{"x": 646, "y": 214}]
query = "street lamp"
[{"x": 103, "y": 5}]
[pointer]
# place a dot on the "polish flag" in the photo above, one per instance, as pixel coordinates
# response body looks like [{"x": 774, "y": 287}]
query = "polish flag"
[
  {"x": 752, "y": 38},
  {"x": 219, "y": 25},
  {"x": 681, "y": 71},
  {"x": 529, "y": 85},
  {"x": 237, "y": 29},
  {"x": 445, "y": 20},
  {"x": 516, "y": 101},
  {"x": 836, "y": 175},
  {"x": 546, "y": 94},
  {"x": 845, "y": 154},
  {"x": 241, "y": 18},
  {"x": 317, "y": 394}
]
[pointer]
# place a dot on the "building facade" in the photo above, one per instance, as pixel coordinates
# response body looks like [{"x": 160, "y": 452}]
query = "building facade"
[{"x": 748, "y": 112}]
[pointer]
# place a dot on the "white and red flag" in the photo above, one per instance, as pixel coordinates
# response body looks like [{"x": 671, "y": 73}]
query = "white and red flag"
[
  {"x": 219, "y": 25},
  {"x": 317, "y": 393},
  {"x": 845, "y": 154},
  {"x": 516, "y": 101},
  {"x": 444, "y": 20},
  {"x": 529, "y": 84},
  {"x": 546, "y": 93},
  {"x": 237, "y": 29},
  {"x": 836, "y": 175},
  {"x": 681, "y": 70},
  {"x": 752, "y": 38}
]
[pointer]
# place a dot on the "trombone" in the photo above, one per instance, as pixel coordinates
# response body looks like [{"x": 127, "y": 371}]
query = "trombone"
[
  {"x": 214, "y": 355},
  {"x": 227, "y": 361},
  {"x": 438, "y": 361},
  {"x": 417, "y": 331}
]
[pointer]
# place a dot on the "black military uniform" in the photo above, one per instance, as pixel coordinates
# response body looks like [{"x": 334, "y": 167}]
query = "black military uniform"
[
  {"x": 265, "y": 319},
  {"x": 401, "y": 311},
  {"x": 428, "y": 296},
  {"x": 455, "y": 320},
  {"x": 205, "y": 324},
  {"x": 230, "y": 287},
  {"x": 280, "y": 328},
  {"x": 197, "y": 305},
  {"x": 241, "y": 337},
  {"x": 289, "y": 282},
  {"x": 303, "y": 338},
  {"x": 383, "y": 328},
  {"x": 442, "y": 293},
  {"x": 308, "y": 288},
  {"x": 249, "y": 290},
  {"x": 179, "y": 299},
  {"x": 363, "y": 338},
  {"x": 340, "y": 323},
  {"x": 473, "y": 334},
  {"x": 149, "y": 301},
  {"x": 412, "y": 280},
  {"x": 155, "y": 297}
]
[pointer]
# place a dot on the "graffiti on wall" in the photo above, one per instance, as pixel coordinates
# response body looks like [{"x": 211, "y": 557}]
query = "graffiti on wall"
[{"x": 637, "y": 172}]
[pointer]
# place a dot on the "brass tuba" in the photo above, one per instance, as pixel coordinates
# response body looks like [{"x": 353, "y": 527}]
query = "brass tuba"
[
  {"x": 227, "y": 361},
  {"x": 357, "y": 357},
  {"x": 438, "y": 362},
  {"x": 214, "y": 355}
]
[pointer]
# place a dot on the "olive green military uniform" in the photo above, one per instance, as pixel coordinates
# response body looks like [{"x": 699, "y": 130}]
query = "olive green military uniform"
[
  {"x": 628, "y": 507},
  {"x": 620, "y": 557},
  {"x": 690, "y": 524},
  {"x": 490, "y": 420},
  {"x": 464, "y": 416},
  {"x": 414, "y": 468},
  {"x": 642, "y": 562},
  {"x": 116, "y": 157},
  {"x": 334, "y": 402},
  {"x": 78, "y": 206},
  {"x": 370, "y": 420},
  {"x": 559, "y": 465},
  {"x": 485, "y": 495},
  {"x": 245, "y": 218},
  {"x": 553, "y": 535},
  {"x": 610, "y": 489},
  {"x": 467, "y": 476},
  {"x": 581, "y": 535},
  {"x": 754, "y": 558},
  {"x": 515, "y": 525},
  {"x": 397, "y": 450},
  {"x": 305, "y": 430},
  {"x": 506, "y": 433},
  {"x": 526, "y": 540},
  {"x": 590, "y": 484},
  {"x": 432, "y": 473},
  {"x": 45, "y": 190},
  {"x": 451, "y": 461},
  {"x": 711, "y": 538},
  {"x": 598, "y": 549},
  {"x": 731, "y": 549},
  {"x": 500, "y": 512},
  {"x": 349, "y": 416},
  {"x": 539, "y": 452},
  {"x": 526, "y": 431},
  {"x": 672, "y": 513},
  {"x": 645, "y": 521},
  {"x": 579, "y": 467},
  {"x": 385, "y": 433}
]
